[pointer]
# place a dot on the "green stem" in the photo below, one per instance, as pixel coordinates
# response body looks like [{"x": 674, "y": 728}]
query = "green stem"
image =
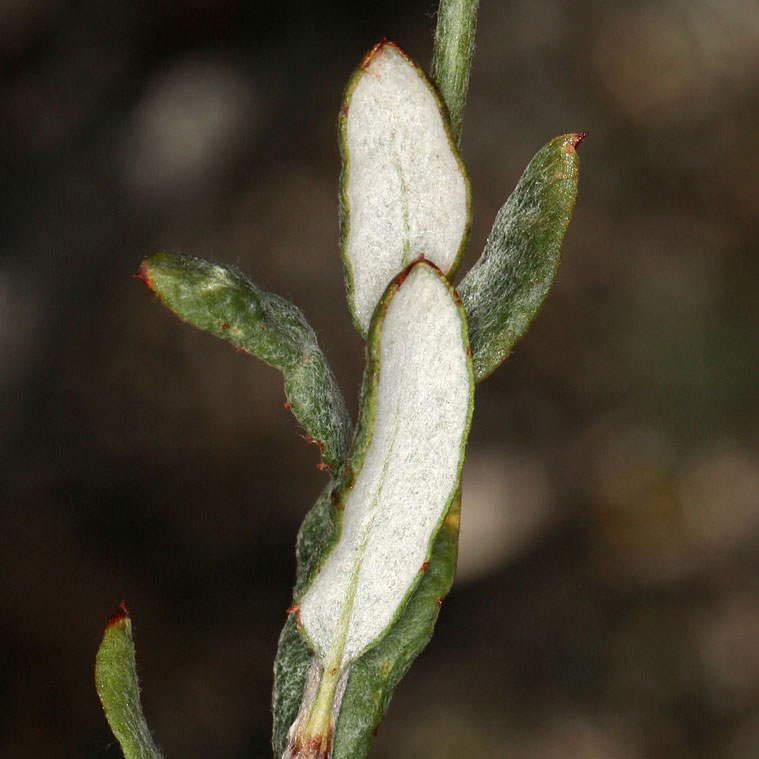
[{"x": 452, "y": 55}]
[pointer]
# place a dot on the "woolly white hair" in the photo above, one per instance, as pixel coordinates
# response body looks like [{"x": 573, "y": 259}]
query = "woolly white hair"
[
  {"x": 409, "y": 473},
  {"x": 407, "y": 191}
]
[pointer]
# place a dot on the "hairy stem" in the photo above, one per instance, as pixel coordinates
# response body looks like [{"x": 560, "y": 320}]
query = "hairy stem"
[{"x": 452, "y": 55}]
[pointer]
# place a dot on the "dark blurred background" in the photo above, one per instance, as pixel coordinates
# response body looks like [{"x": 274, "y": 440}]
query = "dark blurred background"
[{"x": 607, "y": 603}]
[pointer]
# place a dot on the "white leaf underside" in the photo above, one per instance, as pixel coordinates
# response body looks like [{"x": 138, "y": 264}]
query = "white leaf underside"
[
  {"x": 409, "y": 474},
  {"x": 407, "y": 192}
]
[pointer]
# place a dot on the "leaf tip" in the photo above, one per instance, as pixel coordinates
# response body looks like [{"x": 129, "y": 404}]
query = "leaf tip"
[
  {"x": 119, "y": 615},
  {"x": 576, "y": 139},
  {"x": 144, "y": 276},
  {"x": 381, "y": 46}
]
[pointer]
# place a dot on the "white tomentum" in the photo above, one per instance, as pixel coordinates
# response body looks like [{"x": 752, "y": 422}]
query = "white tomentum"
[
  {"x": 407, "y": 192},
  {"x": 409, "y": 474}
]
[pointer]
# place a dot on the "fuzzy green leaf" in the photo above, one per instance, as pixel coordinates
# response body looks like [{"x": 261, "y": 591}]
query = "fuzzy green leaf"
[
  {"x": 506, "y": 288},
  {"x": 292, "y": 665},
  {"x": 119, "y": 691},
  {"x": 452, "y": 55},
  {"x": 361, "y": 564},
  {"x": 404, "y": 190},
  {"x": 316, "y": 537},
  {"x": 222, "y": 301}
]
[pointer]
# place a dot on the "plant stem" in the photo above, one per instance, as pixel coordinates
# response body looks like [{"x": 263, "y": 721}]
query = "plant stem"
[{"x": 452, "y": 55}]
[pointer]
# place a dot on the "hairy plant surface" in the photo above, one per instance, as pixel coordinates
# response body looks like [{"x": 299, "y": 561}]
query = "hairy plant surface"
[{"x": 377, "y": 553}]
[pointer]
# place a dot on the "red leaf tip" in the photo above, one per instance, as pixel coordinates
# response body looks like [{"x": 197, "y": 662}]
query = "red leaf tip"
[
  {"x": 381, "y": 45},
  {"x": 120, "y": 615},
  {"x": 384, "y": 42},
  {"x": 578, "y": 138},
  {"x": 144, "y": 277}
]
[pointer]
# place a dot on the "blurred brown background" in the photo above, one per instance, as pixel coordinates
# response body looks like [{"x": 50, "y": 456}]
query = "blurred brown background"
[{"x": 608, "y": 597}]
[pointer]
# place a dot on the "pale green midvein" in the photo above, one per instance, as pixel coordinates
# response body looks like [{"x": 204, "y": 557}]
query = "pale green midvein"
[
  {"x": 406, "y": 258},
  {"x": 322, "y": 709},
  {"x": 344, "y": 623}
]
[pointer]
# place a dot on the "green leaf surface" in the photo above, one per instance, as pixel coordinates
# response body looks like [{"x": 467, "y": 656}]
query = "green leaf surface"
[
  {"x": 316, "y": 537},
  {"x": 292, "y": 665},
  {"x": 119, "y": 691},
  {"x": 452, "y": 56},
  {"x": 408, "y": 628},
  {"x": 222, "y": 301},
  {"x": 506, "y": 288},
  {"x": 404, "y": 190}
]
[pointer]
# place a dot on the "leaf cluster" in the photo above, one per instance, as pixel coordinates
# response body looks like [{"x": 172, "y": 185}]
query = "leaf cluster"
[{"x": 394, "y": 229}]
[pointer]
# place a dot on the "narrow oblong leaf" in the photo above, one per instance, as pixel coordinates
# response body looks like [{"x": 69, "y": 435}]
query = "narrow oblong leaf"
[
  {"x": 375, "y": 675},
  {"x": 404, "y": 190},
  {"x": 452, "y": 55},
  {"x": 119, "y": 691},
  {"x": 419, "y": 410},
  {"x": 220, "y": 300},
  {"x": 399, "y": 484},
  {"x": 506, "y": 288}
]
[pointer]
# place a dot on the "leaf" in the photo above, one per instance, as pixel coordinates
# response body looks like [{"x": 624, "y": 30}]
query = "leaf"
[
  {"x": 404, "y": 190},
  {"x": 292, "y": 665},
  {"x": 375, "y": 675},
  {"x": 222, "y": 301},
  {"x": 416, "y": 413},
  {"x": 119, "y": 691},
  {"x": 398, "y": 486},
  {"x": 452, "y": 55},
  {"x": 316, "y": 537},
  {"x": 506, "y": 288}
]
